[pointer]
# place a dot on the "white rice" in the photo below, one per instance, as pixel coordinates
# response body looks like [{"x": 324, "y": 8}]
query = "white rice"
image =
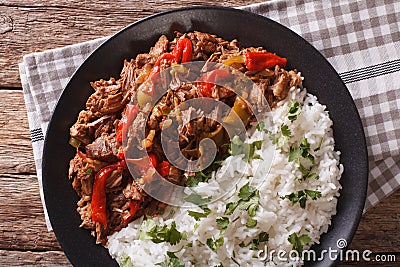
[{"x": 275, "y": 216}]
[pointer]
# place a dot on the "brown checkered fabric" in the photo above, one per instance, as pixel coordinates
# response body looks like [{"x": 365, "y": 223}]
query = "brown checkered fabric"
[{"x": 361, "y": 39}]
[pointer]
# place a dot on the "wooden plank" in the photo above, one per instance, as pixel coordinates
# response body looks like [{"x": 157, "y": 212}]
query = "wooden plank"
[
  {"x": 31, "y": 26},
  {"x": 379, "y": 228},
  {"x": 21, "y": 258},
  {"x": 16, "y": 154},
  {"x": 22, "y": 223}
]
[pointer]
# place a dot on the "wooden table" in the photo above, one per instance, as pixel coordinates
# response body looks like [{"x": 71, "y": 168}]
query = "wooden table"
[{"x": 27, "y": 26}]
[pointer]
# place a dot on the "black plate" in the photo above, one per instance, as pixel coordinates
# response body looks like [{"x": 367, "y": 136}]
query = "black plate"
[{"x": 251, "y": 30}]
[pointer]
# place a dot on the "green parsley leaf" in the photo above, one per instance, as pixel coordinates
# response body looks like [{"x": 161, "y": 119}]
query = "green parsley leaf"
[
  {"x": 295, "y": 153},
  {"x": 319, "y": 145},
  {"x": 89, "y": 171},
  {"x": 294, "y": 110},
  {"x": 171, "y": 255},
  {"x": 301, "y": 152},
  {"x": 298, "y": 241},
  {"x": 230, "y": 208},
  {"x": 126, "y": 261},
  {"x": 197, "y": 215},
  {"x": 251, "y": 223},
  {"x": 285, "y": 130},
  {"x": 223, "y": 223},
  {"x": 260, "y": 126},
  {"x": 214, "y": 244},
  {"x": 197, "y": 199},
  {"x": 235, "y": 261},
  {"x": 174, "y": 262},
  {"x": 313, "y": 176},
  {"x": 301, "y": 197},
  {"x": 195, "y": 179},
  {"x": 307, "y": 174},
  {"x": 313, "y": 194},
  {"x": 159, "y": 234},
  {"x": 263, "y": 237},
  {"x": 246, "y": 191}
]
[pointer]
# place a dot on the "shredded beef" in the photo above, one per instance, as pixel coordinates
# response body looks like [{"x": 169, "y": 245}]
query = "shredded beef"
[{"x": 105, "y": 135}]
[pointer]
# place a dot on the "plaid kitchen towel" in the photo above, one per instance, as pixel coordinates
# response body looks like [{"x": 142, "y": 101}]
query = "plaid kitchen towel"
[{"x": 361, "y": 39}]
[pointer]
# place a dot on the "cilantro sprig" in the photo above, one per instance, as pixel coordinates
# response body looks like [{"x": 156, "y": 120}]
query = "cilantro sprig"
[
  {"x": 213, "y": 244},
  {"x": 303, "y": 151},
  {"x": 294, "y": 110},
  {"x": 253, "y": 245},
  {"x": 298, "y": 241},
  {"x": 151, "y": 231},
  {"x": 249, "y": 201},
  {"x": 306, "y": 174},
  {"x": 238, "y": 147},
  {"x": 301, "y": 197}
]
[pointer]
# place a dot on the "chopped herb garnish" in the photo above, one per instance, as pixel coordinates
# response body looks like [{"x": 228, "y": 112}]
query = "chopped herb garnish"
[
  {"x": 174, "y": 262},
  {"x": 285, "y": 130},
  {"x": 198, "y": 199},
  {"x": 89, "y": 171},
  {"x": 239, "y": 147},
  {"x": 195, "y": 179},
  {"x": 159, "y": 234},
  {"x": 246, "y": 192},
  {"x": 262, "y": 237},
  {"x": 223, "y": 223},
  {"x": 301, "y": 197},
  {"x": 299, "y": 241},
  {"x": 306, "y": 174},
  {"x": 171, "y": 255},
  {"x": 230, "y": 207},
  {"x": 219, "y": 265},
  {"x": 235, "y": 261},
  {"x": 260, "y": 126},
  {"x": 295, "y": 153},
  {"x": 251, "y": 223},
  {"x": 197, "y": 215},
  {"x": 319, "y": 145},
  {"x": 249, "y": 197},
  {"x": 214, "y": 244},
  {"x": 301, "y": 152},
  {"x": 126, "y": 261},
  {"x": 294, "y": 110},
  {"x": 313, "y": 194},
  {"x": 205, "y": 175}
]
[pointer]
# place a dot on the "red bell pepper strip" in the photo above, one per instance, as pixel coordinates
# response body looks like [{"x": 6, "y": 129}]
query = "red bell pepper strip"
[
  {"x": 207, "y": 81},
  {"x": 257, "y": 61},
  {"x": 133, "y": 208},
  {"x": 183, "y": 50},
  {"x": 153, "y": 77},
  {"x": 99, "y": 201},
  {"x": 153, "y": 160},
  {"x": 121, "y": 154},
  {"x": 163, "y": 168},
  {"x": 128, "y": 116}
]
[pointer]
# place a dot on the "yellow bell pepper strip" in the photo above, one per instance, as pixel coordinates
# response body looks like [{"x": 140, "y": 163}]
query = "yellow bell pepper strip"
[
  {"x": 235, "y": 59},
  {"x": 239, "y": 108}
]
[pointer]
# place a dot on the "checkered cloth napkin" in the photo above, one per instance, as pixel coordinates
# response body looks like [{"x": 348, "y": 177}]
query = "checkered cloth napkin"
[{"x": 361, "y": 39}]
